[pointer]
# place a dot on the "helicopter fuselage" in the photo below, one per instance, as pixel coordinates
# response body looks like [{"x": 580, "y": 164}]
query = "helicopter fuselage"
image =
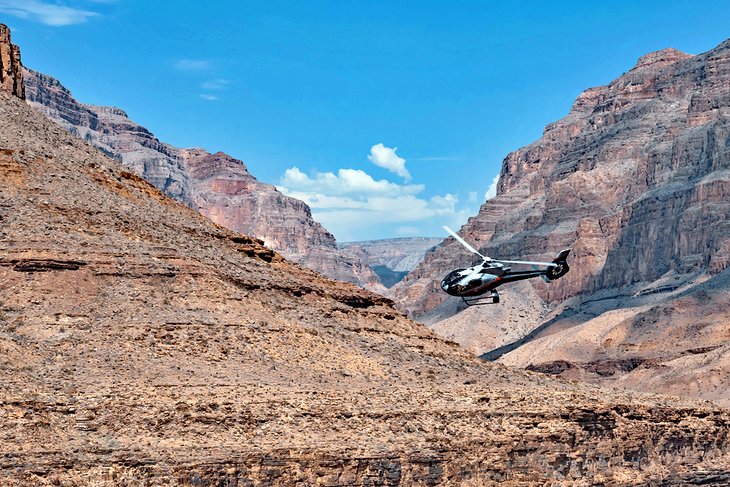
[{"x": 475, "y": 280}]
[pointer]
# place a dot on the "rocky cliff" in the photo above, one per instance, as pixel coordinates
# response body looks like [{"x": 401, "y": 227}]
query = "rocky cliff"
[
  {"x": 216, "y": 184},
  {"x": 143, "y": 344},
  {"x": 111, "y": 130},
  {"x": 11, "y": 70},
  {"x": 636, "y": 179}
]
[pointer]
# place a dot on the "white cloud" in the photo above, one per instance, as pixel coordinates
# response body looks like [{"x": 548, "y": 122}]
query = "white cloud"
[
  {"x": 45, "y": 12},
  {"x": 215, "y": 84},
  {"x": 492, "y": 190},
  {"x": 351, "y": 204},
  {"x": 346, "y": 181},
  {"x": 208, "y": 97},
  {"x": 323, "y": 201},
  {"x": 192, "y": 65},
  {"x": 387, "y": 158}
]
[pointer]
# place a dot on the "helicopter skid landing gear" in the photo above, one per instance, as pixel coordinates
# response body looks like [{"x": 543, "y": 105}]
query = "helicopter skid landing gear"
[{"x": 480, "y": 300}]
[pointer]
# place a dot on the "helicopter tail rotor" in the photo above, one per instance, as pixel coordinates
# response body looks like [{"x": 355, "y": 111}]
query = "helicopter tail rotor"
[{"x": 560, "y": 266}]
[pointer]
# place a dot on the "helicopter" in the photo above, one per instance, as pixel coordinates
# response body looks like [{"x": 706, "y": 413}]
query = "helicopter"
[{"x": 471, "y": 283}]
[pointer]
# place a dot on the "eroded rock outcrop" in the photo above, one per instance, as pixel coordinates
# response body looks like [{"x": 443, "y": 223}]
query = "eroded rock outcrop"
[
  {"x": 11, "y": 70},
  {"x": 223, "y": 190},
  {"x": 636, "y": 179},
  {"x": 216, "y": 184},
  {"x": 143, "y": 344}
]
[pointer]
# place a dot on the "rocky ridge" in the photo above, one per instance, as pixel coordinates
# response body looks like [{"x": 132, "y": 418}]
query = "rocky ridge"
[
  {"x": 636, "y": 180},
  {"x": 142, "y": 343},
  {"x": 217, "y": 185}
]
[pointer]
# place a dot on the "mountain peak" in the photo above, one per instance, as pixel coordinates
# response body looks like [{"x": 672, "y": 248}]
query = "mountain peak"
[{"x": 663, "y": 57}]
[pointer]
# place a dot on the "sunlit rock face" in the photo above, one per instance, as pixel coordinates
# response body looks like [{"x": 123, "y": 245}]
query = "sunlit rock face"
[
  {"x": 11, "y": 70},
  {"x": 143, "y": 344},
  {"x": 634, "y": 179}
]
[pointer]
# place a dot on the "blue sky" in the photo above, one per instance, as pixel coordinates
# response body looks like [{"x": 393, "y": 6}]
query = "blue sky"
[{"x": 316, "y": 96}]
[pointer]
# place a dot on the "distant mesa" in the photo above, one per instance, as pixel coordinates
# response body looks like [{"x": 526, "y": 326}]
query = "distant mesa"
[{"x": 391, "y": 259}]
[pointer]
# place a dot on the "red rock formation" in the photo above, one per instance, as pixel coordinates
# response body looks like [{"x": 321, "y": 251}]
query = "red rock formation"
[
  {"x": 11, "y": 69},
  {"x": 144, "y": 345},
  {"x": 636, "y": 179},
  {"x": 216, "y": 184},
  {"x": 224, "y": 191}
]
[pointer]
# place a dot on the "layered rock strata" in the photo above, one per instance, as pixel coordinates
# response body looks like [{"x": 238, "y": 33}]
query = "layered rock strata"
[
  {"x": 216, "y": 184},
  {"x": 398, "y": 254},
  {"x": 11, "y": 70},
  {"x": 670, "y": 342},
  {"x": 143, "y": 344},
  {"x": 223, "y": 190}
]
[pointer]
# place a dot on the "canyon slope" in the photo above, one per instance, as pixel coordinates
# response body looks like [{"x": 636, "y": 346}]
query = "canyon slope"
[
  {"x": 144, "y": 344},
  {"x": 391, "y": 258},
  {"x": 217, "y": 185},
  {"x": 636, "y": 179}
]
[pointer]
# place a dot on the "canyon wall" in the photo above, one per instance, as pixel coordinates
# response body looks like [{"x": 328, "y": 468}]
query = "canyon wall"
[
  {"x": 11, "y": 70},
  {"x": 634, "y": 179},
  {"x": 391, "y": 258}
]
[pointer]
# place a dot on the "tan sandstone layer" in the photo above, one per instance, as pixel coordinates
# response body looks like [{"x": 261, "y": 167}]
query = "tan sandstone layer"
[{"x": 11, "y": 70}]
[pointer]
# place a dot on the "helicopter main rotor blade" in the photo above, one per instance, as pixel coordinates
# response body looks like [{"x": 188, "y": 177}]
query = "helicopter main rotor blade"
[
  {"x": 527, "y": 262},
  {"x": 464, "y": 243}
]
